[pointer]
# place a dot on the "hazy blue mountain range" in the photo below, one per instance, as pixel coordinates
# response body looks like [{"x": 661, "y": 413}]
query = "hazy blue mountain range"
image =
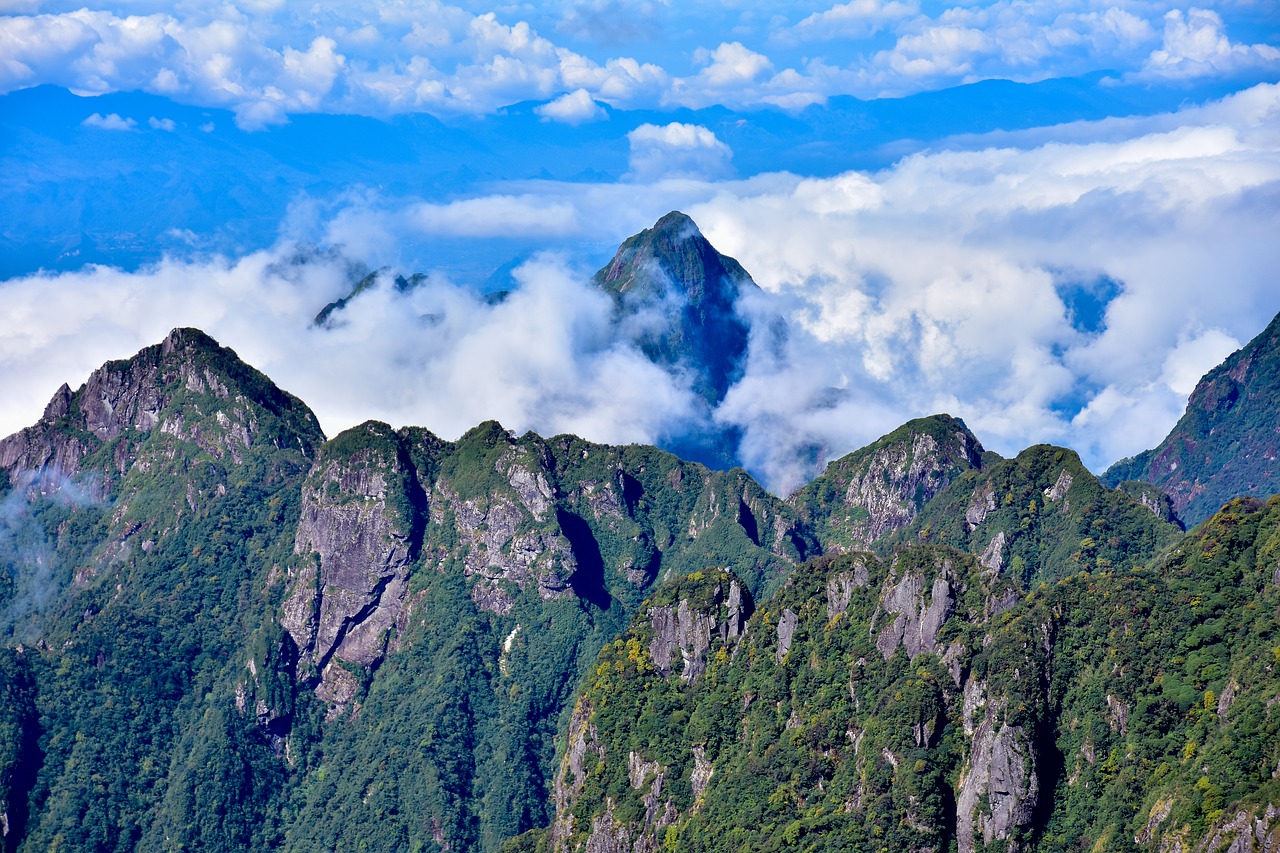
[
  {"x": 225, "y": 630},
  {"x": 78, "y": 194}
]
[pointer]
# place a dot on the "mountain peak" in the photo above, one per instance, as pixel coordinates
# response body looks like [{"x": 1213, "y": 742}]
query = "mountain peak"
[
  {"x": 673, "y": 253},
  {"x": 1224, "y": 444},
  {"x": 678, "y": 296},
  {"x": 151, "y": 393},
  {"x": 883, "y": 486}
]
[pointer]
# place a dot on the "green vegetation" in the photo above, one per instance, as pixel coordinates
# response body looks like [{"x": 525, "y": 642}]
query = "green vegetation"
[
  {"x": 1115, "y": 680},
  {"x": 152, "y": 697}
]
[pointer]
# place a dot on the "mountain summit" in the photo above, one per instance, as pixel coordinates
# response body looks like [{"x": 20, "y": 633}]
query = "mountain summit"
[
  {"x": 680, "y": 296},
  {"x": 1225, "y": 444}
]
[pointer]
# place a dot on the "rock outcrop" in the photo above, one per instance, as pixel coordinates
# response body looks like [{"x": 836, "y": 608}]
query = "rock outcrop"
[
  {"x": 711, "y": 606},
  {"x": 356, "y": 540},
  {"x": 882, "y": 487}
]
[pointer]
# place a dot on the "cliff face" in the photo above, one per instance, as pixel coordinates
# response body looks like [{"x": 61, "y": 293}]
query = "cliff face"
[
  {"x": 926, "y": 702},
  {"x": 1224, "y": 445},
  {"x": 187, "y": 387},
  {"x": 882, "y": 487},
  {"x": 225, "y": 631}
]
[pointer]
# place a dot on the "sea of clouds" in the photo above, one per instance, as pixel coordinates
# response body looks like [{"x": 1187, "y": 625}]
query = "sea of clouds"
[{"x": 1064, "y": 285}]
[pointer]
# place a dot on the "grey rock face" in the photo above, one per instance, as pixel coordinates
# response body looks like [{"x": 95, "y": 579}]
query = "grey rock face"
[
  {"x": 787, "y": 623},
  {"x": 689, "y": 630},
  {"x": 883, "y": 486},
  {"x": 1001, "y": 768},
  {"x": 982, "y": 503},
  {"x": 840, "y": 590},
  {"x": 916, "y": 623},
  {"x": 133, "y": 396},
  {"x": 345, "y": 602}
]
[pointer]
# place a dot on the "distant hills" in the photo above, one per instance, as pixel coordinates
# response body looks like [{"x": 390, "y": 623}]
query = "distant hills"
[
  {"x": 202, "y": 184},
  {"x": 224, "y": 630}
]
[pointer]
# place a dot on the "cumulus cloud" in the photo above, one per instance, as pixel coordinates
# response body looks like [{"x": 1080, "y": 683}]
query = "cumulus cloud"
[
  {"x": 438, "y": 355},
  {"x": 166, "y": 124},
  {"x": 1196, "y": 45},
  {"x": 676, "y": 150},
  {"x": 269, "y": 60},
  {"x": 110, "y": 121},
  {"x": 576, "y": 107}
]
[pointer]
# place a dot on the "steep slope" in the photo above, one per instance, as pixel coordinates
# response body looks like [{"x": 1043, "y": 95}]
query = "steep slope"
[
  {"x": 672, "y": 271},
  {"x": 916, "y": 704},
  {"x": 460, "y": 590},
  {"x": 1038, "y": 517},
  {"x": 1225, "y": 445},
  {"x": 228, "y": 633},
  {"x": 144, "y": 514},
  {"x": 881, "y": 488},
  {"x": 677, "y": 298}
]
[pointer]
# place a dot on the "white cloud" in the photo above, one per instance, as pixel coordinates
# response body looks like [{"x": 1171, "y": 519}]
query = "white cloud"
[
  {"x": 271, "y": 59},
  {"x": 110, "y": 121},
  {"x": 576, "y": 107},
  {"x": 853, "y": 20},
  {"x": 497, "y": 216},
  {"x": 166, "y": 124},
  {"x": 952, "y": 281},
  {"x": 676, "y": 150},
  {"x": 544, "y": 359},
  {"x": 1196, "y": 45}
]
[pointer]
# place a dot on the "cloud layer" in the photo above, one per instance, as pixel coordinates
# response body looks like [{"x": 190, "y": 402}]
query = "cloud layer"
[
  {"x": 269, "y": 60},
  {"x": 1062, "y": 291}
]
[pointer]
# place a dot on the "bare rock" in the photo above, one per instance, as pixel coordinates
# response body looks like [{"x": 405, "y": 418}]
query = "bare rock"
[
  {"x": 916, "y": 623},
  {"x": 346, "y": 599},
  {"x": 1001, "y": 770},
  {"x": 787, "y": 623},
  {"x": 690, "y": 630},
  {"x": 992, "y": 558},
  {"x": 982, "y": 503},
  {"x": 1060, "y": 486}
]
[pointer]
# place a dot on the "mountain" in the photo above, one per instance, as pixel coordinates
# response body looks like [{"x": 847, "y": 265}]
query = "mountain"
[
  {"x": 927, "y": 702},
  {"x": 223, "y": 631},
  {"x": 880, "y": 488},
  {"x": 680, "y": 296},
  {"x": 677, "y": 298},
  {"x": 1225, "y": 445},
  {"x": 227, "y": 633}
]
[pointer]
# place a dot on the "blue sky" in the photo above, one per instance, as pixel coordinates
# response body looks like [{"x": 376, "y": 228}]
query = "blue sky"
[{"x": 1047, "y": 218}]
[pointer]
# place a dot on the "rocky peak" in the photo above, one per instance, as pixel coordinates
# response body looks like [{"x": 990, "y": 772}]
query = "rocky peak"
[
  {"x": 882, "y": 487},
  {"x": 677, "y": 296},
  {"x": 1225, "y": 443},
  {"x": 235, "y": 408}
]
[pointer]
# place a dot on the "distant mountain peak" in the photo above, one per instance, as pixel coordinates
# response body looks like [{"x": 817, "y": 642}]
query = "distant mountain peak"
[
  {"x": 677, "y": 297},
  {"x": 676, "y": 247},
  {"x": 1224, "y": 445}
]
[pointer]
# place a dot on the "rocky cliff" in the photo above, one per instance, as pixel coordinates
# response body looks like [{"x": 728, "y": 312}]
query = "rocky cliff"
[
  {"x": 1225, "y": 445},
  {"x": 925, "y": 702},
  {"x": 882, "y": 487}
]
